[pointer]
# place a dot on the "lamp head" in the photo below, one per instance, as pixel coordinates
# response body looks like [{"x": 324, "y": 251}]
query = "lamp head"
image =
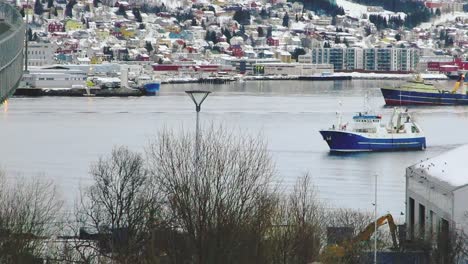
[{"x": 198, "y": 96}]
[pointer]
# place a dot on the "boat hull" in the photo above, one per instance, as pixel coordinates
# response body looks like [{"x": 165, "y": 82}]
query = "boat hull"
[
  {"x": 152, "y": 88},
  {"x": 402, "y": 97},
  {"x": 342, "y": 141}
]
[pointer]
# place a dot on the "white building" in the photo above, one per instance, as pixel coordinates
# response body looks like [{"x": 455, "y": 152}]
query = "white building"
[
  {"x": 297, "y": 69},
  {"x": 437, "y": 194},
  {"x": 40, "y": 54}
]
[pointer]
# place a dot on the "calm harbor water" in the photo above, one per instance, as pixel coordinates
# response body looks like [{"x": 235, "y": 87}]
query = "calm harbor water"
[{"x": 58, "y": 138}]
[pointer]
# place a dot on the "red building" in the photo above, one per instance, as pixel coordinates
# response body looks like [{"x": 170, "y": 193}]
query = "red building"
[
  {"x": 273, "y": 41},
  {"x": 447, "y": 66},
  {"x": 185, "y": 67},
  {"x": 430, "y": 4},
  {"x": 236, "y": 50},
  {"x": 55, "y": 27}
]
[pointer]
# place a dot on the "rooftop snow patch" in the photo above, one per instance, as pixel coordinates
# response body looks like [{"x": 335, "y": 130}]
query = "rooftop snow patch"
[{"x": 449, "y": 167}]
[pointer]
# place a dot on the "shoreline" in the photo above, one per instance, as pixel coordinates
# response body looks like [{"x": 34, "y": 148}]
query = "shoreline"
[{"x": 125, "y": 92}]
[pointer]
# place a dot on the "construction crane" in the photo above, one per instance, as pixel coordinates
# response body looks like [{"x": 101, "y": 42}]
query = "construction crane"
[{"x": 339, "y": 250}]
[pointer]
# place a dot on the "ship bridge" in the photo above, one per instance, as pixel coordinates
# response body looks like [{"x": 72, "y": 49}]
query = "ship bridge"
[{"x": 12, "y": 33}]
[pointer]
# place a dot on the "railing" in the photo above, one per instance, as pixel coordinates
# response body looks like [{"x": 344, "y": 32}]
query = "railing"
[{"x": 11, "y": 50}]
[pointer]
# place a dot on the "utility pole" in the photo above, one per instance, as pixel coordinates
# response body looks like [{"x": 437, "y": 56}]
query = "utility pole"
[{"x": 375, "y": 222}]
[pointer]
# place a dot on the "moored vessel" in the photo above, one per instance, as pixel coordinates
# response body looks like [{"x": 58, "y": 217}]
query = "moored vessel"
[
  {"x": 368, "y": 133},
  {"x": 418, "y": 92}
]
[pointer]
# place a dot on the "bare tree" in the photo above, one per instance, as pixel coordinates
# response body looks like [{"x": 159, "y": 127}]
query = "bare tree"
[
  {"x": 299, "y": 229},
  {"x": 450, "y": 247},
  {"x": 220, "y": 202},
  {"x": 29, "y": 212},
  {"x": 347, "y": 250},
  {"x": 121, "y": 206}
]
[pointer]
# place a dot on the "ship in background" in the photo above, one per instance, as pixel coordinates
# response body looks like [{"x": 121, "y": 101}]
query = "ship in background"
[{"x": 418, "y": 92}]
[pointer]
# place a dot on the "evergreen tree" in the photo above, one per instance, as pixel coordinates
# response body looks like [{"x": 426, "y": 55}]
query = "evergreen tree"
[
  {"x": 286, "y": 20},
  {"x": 337, "y": 40},
  {"x": 69, "y": 8},
  {"x": 149, "y": 47},
  {"x": 269, "y": 32},
  {"x": 242, "y": 17},
  {"x": 442, "y": 35},
  {"x": 263, "y": 13},
  {"x": 228, "y": 35},
  {"x": 50, "y": 3},
  {"x": 121, "y": 11},
  {"x": 38, "y": 8},
  {"x": 213, "y": 37},
  {"x": 137, "y": 14},
  {"x": 30, "y": 34},
  {"x": 260, "y": 32},
  {"x": 398, "y": 37},
  {"x": 345, "y": 41},
  {"x": 297, "y": 52}
]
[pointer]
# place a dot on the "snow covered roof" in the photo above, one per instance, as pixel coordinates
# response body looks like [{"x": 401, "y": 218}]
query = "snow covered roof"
[{"x": 449, "y": 167}]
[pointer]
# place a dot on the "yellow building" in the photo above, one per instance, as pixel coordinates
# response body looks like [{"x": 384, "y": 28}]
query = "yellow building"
[
  {"x": 283, "y": 56},
  {"x": 127, "y": 33},
  {"x": 102, "y": 34},
  {"x": 73, "y": 25}
]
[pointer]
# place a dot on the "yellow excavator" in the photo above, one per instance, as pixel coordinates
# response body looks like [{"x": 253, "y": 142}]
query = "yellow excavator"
[
  {"x": 339, "y": 250},
  {"x": 460, "y": 83}
]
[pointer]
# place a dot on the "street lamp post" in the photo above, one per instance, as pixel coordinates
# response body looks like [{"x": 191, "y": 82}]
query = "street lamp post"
[
  {"x": 198, "y": 96},
  {"x": 375, "y": 219}
]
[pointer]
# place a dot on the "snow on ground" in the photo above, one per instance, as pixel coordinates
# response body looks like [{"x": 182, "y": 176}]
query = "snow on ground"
[
  {"x": 443, "y": 18},
  {"x": 356, "y": 10},
  {"x": 371, "y": 75},
  {"x": 353, "y": 9}
]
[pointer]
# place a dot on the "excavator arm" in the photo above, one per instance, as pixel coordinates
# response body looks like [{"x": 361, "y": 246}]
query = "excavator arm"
[
  {"x": 458, "y": 83},
  {"x": 366, "y": 234}
]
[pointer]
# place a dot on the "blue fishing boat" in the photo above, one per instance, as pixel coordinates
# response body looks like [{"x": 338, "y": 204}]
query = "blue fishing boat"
[
  {"x": 149, "y": 85},
  {"x": 152, "y": 88},
  {"x": 417, "y": 92},
  {"x": 368, "y": 133}
]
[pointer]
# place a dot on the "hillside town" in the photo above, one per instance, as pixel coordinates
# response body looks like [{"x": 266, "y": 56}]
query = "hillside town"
[
  {"x": 191, "y": 40},
  {"x": 323, "y": 136}
]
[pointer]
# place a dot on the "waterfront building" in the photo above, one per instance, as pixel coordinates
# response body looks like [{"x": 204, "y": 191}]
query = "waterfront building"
[
  {"x": 380, "y": 59},
  {"x": 334, "y": 56},
  {"x": 436, "y": 194},
  {"x": 354, "y": 59},
  {"x": 291, "y": 69},
  {"x": 41, "y": 53}
]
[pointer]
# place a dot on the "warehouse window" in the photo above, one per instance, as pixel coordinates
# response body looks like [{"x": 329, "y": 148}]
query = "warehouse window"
[
  {"x": 422, "y": 220},
  {"x": 411, "y": 217}
]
